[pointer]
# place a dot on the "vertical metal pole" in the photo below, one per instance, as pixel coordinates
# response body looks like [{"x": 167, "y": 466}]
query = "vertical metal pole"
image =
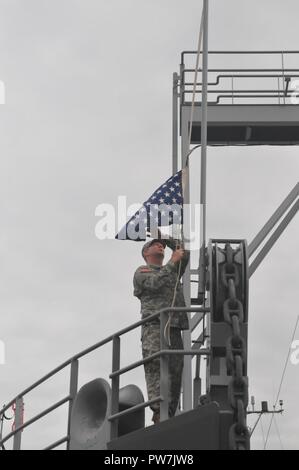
[
  {"x": 187, "y": 371},
  {"x": 208, "y": 320},
  {"x": 283, "y": 80},
  {"x": 203, "y": 172},
  {"x": 207, "y": 304},
  {"x": 175, "y": 123},
  {"x": 182, "y": 83},
  {"x": 115, "y": 386},
  {"x": 197, "y": 383},
  {"x": 278, "y": 90},
  {"x": 73, "y": 392},
  {"x": 18, "y": 422},
  {"x": 164, "y": 379}
]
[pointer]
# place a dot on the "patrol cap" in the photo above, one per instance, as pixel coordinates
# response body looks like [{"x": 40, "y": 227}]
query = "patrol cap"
[{"x": 148, "y": 244}]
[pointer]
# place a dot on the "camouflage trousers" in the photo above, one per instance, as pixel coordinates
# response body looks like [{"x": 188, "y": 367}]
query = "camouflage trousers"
[{"x": 150, "y": 345}]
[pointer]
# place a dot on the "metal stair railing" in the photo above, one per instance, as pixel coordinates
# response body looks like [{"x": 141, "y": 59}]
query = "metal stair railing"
[
  {"x": 73, "y": 362},
  {"x": 279, "y": 90}
]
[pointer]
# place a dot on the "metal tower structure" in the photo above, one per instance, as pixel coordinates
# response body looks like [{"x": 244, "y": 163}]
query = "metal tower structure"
[
  {"x": 234, "y": 106},
  {"x": 246, "y": 105}
]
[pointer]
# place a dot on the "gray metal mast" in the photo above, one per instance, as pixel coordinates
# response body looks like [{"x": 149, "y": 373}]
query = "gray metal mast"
[
  {"x": 187, "y": 374},
  {"x": 203, "y": 172}
]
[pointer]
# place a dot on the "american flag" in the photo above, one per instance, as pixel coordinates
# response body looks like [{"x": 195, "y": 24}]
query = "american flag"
[{"x": 163, "y": 208}]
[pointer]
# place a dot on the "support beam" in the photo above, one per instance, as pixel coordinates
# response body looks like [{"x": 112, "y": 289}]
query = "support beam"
[
  {"x": 274, "y": 237},
  {"x": 280, "y": 211}
]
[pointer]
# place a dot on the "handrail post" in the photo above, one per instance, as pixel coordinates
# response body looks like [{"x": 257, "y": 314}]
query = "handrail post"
[
  {"x": 115, "y": 386},
  {"x": 175, "y": 80},
  {"x": 19, "y": 409},
  {"x": 73, "y": 392},
  {"x": 283, "y": 74},
  {"x": 163, "y": 370},
  {"x": 182, "y": 83}
]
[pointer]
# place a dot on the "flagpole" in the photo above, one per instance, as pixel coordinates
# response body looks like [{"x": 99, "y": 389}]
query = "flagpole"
[
  {"x": 203, "y": 172},
  {"x": 187, "y": 371}
]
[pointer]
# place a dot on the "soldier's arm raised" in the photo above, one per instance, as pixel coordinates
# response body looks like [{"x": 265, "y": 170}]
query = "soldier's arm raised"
[
  {"x": 145, "y": 278},
  {"x": 185, "y": 261},
  {"x": 173, "y": 243}
]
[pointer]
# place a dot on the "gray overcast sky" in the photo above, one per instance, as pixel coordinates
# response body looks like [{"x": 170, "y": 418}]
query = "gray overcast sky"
[{"x": 88, "y": 118}]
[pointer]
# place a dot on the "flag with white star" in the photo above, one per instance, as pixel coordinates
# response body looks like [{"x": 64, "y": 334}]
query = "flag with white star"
[{"x": 163, "y": 208}]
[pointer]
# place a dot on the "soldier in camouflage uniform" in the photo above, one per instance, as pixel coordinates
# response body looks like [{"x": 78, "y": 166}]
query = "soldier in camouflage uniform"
[{"x": 154, "y": 285}]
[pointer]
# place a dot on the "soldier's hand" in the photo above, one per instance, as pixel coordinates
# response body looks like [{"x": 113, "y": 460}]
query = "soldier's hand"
[{"x": 177, "y": 255}]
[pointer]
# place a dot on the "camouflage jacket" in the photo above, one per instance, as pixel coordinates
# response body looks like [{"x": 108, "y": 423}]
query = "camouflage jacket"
[{"x": 154, "y": 285}]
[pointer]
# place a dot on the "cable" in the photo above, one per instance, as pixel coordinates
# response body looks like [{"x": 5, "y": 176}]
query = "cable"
[
  {"x": 257, "y": 421},
  {"x": 278, "y": 433},
  {"x": 262, "y": 428},
  {"x": 167, "y": 326},
  {"x": 282, "y": 378}
]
